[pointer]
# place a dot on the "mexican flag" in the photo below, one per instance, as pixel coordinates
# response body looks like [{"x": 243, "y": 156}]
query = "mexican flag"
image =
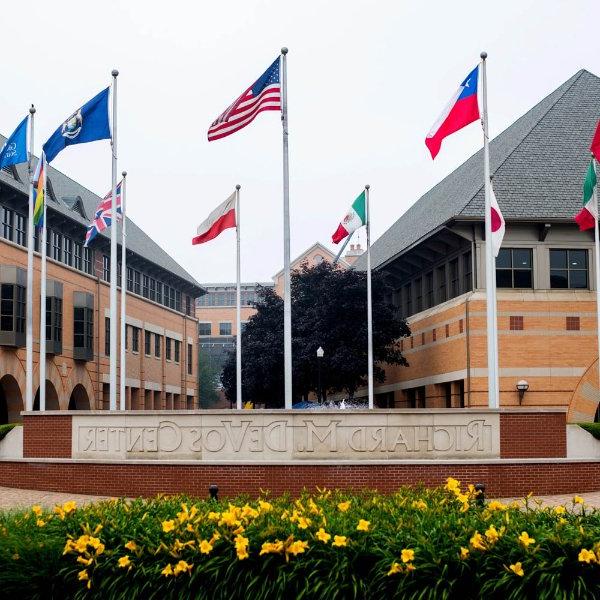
[
  {"x": 589, "y": 213},
  {"x": 355, "y": 218}
]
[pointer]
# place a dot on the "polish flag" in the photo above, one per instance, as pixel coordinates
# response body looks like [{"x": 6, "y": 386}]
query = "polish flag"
[
  {"x": 498, "y": 223},
  {"x": 223, "y": 217},
  {"x": 462, "y": 109}
]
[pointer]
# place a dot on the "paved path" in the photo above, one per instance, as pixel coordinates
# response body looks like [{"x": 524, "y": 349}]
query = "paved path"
[{"x": 15, "y": 498}]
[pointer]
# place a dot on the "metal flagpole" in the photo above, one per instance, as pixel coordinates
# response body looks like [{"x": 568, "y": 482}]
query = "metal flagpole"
[
  {"x": 339, "y": 254},
  {"x": 29, "y": 334},
  {"x": 597, "y": 261},
  {"x": 490, "y": 270},
  {"x": 43, "y": 242},
  {"x": 122, "y": 358},
  {"x": 113, "y": 253},
  {"x": 287, "y": 288},
  {"x": 238, "y": 345},
  {"x": 369, "y": 300}
]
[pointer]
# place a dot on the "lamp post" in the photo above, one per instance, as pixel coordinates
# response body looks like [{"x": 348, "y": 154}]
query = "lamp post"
[{"x": 320, "y": 354}]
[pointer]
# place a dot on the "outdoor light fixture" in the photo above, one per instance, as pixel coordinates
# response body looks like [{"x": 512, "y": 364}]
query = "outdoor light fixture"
[
  {"x": 522, "y": 387},
  {"x": 320, "y": 352}
]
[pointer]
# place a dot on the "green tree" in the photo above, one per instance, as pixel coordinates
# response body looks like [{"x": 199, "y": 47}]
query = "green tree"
[
  {"x": 209, "y": 370},
  {"x": 329, "y": 309}
]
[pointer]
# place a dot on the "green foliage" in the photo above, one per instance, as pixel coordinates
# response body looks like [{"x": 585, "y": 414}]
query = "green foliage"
[
  {"x": 593, "y": 428},
  {"x": 4, "y": 429},
  {"x": 209, "y": 369},
  {"x": 416, "y": 544}
]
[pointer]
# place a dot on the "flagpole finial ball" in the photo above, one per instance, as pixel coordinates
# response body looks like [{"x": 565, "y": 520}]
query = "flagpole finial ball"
[
  {"x": 115, "y": 73},
  {"x": 124, "y": 173},
  {"x": 284, "y": 50},
  {"x": 367, "y": 187},
  {"x": 238, "y": 186},
  {"x": 32, "y": 110},
  {"x": 483, "y": 55}
]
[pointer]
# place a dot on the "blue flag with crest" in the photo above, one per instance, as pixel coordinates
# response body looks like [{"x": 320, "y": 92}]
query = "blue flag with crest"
[
  {"x": 88, "y": 124},
  {"x": 14, "y": 150}
]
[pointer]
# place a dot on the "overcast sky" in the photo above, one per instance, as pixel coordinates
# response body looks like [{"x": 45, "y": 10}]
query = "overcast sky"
[{"x": 366, "y": 81}]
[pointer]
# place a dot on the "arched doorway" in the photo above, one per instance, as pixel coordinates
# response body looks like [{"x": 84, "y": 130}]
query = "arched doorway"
[
  {"x": 79, "y": 399},
  {"x": 51, "y": 397},
  {"x": 11, "y": 400}
]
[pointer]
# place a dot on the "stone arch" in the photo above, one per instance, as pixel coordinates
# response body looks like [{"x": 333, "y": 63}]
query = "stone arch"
[
  {"x": 52, "y": 400},
  {"x": 11, "y": 365},
  {"x": 52, "y": 376},
  {"x": 79, "y": 399},
  {"x": 586, "y": 397},
  {"x": 11, "y": 400},
  {"x": 80, "y": 376}
]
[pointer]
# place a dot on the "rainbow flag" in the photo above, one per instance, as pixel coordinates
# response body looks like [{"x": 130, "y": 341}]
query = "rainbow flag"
[{"x": 38, "y": 193}]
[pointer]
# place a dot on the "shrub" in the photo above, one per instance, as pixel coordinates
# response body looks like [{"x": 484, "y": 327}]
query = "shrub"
[
  {"x": 593, "y": 428},
  {"x": 4, "y": 429},
  {"x": 416, "y": 543}
]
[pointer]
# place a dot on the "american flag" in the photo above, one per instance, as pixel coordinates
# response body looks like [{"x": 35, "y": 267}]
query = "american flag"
[
  {"x": 264, "y": 94},
  {"x": 102, "y": 218}
]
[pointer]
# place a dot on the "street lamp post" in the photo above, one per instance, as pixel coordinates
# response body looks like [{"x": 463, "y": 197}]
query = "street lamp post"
[{"x": 320, "y": 354}]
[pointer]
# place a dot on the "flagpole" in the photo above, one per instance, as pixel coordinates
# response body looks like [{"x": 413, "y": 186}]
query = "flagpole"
[
  {"x": 238, "y": 345},
  {"x": 113, "y": 253},
  {"x": 287, "y": 288},
  {"x": 114, "y": 220},
  {"x": 597, "y": 265},
  {"x": 339, "y": 254},
  {"x": 43, "y": 242},
  {"x": 29, "y": 332},
  {"x": 369, "y": 300},
  {"x": 490, "y": 270}
]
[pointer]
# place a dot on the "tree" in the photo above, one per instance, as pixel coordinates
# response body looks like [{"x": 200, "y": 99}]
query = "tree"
[
  {"x": 329, "y": 309},
  {"x": 209, "y": 370}
]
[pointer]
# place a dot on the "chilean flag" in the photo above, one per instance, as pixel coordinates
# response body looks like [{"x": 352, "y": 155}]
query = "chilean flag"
[{"x": 462, "y": 109}]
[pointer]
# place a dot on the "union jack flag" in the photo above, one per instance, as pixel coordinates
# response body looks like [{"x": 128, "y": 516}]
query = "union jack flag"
[{"x": 102, "y": 218}]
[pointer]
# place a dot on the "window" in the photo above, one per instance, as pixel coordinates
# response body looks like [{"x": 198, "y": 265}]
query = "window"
[
  {"x": 168, "y": 348},
  {"x": 87, "y": 260},
  {"x": 56, "y": 245},
  {"x": 159, "y": 292},
  {"x": 418, "y": 295},
  {"x": 454, "y": 280},
  {"x": 68, "y": 254},
  {"x": 54, "y": 322},
  {"x": 429, "y": 289},
  {"x": 12, "y": 308},
  {"x": 107, "y": 336},
  {"x": 441, "y": 284},
  {"x": 7, "y": 223},
  {"x": 188, "y": 306},
  {"x": 205, "y": 328},
  {"x": 514, "y": 268},
  {"x": 126, "y": 337},
  {"x": 77, "y": 255},
  {"x": 467, "y": 272},
  {"x": 83, "y": 326},
  {"x": 225, "y": 328},
  {"x": 172, "y": 297},
  {"x": 136, "y": 281},
  {"x": 408, "y": 300},
  {"x": 147, "y": 343},
  {"x": 177, "y": 350},
  {"x": 105, "y": 267},
  {"x": 157, "y": 345},
  {"x": 152, "y": 290},
  {"x": 177, "y": 305},
  {"x": 129, "y": 279},
  {"x": 20, "y": 229},
  {"x": 190, "y": 357},
  {"x": 145, "y": 286},
  {"x": 135, "y": 339},
  {"x": 568, "y": 269}
]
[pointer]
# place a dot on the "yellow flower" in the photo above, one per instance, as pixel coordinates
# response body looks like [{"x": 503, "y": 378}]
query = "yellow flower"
[
  {"x": 80, "y": 545},
  {"x": 517, "y": 569},
  {"x": 476, "y": 541},
  {"x": 99, "y": 549},
  {"x": 84, "y": 561},
  {"x": 297, "y": 547},
  {"x": 69, "y": 506},
  {"x": 265, "y": 506},
  {"x": 578, "y": 500},
  {"x": 215, "y": 536},
  {"x": 303, "y": 522},
  {"x": 214, "y": 516},
  {"x": 419, "y": 504},
  {"x": 525, "y": 539},
  {"x": 496, "y": 505},
  {"x": 248, "y": 511},
  {"x": 452, "y": 485},
  {"x": 339, "y": 540},
  {"x": 131, "y": 546},
  {"x": 344, "y": 506},
  {"x": 560, "y": 510},
  {"x": 363, "y": 525},
  {"x": 205, "y": 547},
  {"x": 124, "y": 561},
  {"x": 410, "y": 567},
  {"x": 586, "y": 556},
  {"x": 168, "y": 525},
  {"x": 323, "y": 536},
  {"x": 395, "y": 568},
  {"x": 83, "y": 575},
  {"x": 182, "y": 567},
  {"x": 492, "y": 535},
  {"x": 168, "y": 570},
  {"x": 464, "y": 553},
  {"x": 271, "y": 547},
  {"x": 241, "y": 546},
  {"x": 407, "y": 555},
  {"x": 230, "y": 518},
  {"x": 37, "y": 510},
  {"x": 464, "y": 498},
  {"x": 40, "y": 523},
  {"x": 189, "y": 527}
]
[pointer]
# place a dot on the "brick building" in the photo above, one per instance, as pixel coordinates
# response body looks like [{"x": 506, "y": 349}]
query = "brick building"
[
  {"x": 434, "y": 259},
  {"x": 161, "y": 325}
]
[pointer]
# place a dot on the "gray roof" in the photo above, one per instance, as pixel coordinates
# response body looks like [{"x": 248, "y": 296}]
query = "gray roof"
[
  {"x": 64, "y": 187},
  {"x": 538, "y": 165}
]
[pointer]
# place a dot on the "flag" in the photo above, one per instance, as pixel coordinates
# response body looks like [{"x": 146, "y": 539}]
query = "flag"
[
  {"x": 264, "y": 94},
  {"x": 595, "y": 147},
  {"x": 462, "y": 109},
  {"x": 88, "y": 124},
  {"x": 103, "y": 215},
  {"x": 589, "y": 213},
  {"x": 14, "y": 150},
  {"x": 355, "y": 218},
  {"x": 498, "y": 223},
  {"x": 223, "y": 217},
  {"x": 39, "y": 180}
]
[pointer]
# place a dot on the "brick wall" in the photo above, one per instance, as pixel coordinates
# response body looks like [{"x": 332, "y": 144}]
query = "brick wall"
[
  {"x": 533, "y": 435},
  {"x": 47, "y": 436}
]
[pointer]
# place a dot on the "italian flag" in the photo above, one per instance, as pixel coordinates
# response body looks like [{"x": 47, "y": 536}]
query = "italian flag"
[
  {"x": 355, "y": 218},
  {"x": 587, "y": 216}
]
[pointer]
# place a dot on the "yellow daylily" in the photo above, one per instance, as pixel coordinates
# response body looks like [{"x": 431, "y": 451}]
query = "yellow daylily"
[
  {"x": 297, "y": 547},
  {"x": 131, "y": 545},
  {"x": 586, "y": 556},
  {"x": 265, "y": 506},
  {"x": 407, "y": 555},
  {"x": 167, "y": 571},
  {"x": 517, "y": 569},
  {"x": 419, "y": 504},
  {"x": 344, "y": 506},
  {"x": 124, "y": 561},
  {"x": 395, "y": 568},
  {"x": 83, "y": 575},
  {"x": 40, "y": 523},
  {"x": 560, "y": 510},
  {"x": 492, "y": 535},
  {"x": 69, "y": 507},
  {"x": 322, "y": 536},
  {"x": 476, "y": 541},
  {"x": 363, "y": 525},
  {"x": 339, "y": 540},
  {"x": 36, "y": 509},
  {"x": 168, "y": 525},
  {"x": 182, "y": 567},
  {"x": 84, "y": 561},
  {"x": 452, "y": 484},
  {"x": 205, "y": 547},
  {"x": 525, "y": 540},
  {"x": 303, "y": 522},
  {"x": 578, "y": 500},
  {"x": 464, "y": 553},
  {"x": 275, "y": 547},
  {"x": 496, "y": 505}
]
